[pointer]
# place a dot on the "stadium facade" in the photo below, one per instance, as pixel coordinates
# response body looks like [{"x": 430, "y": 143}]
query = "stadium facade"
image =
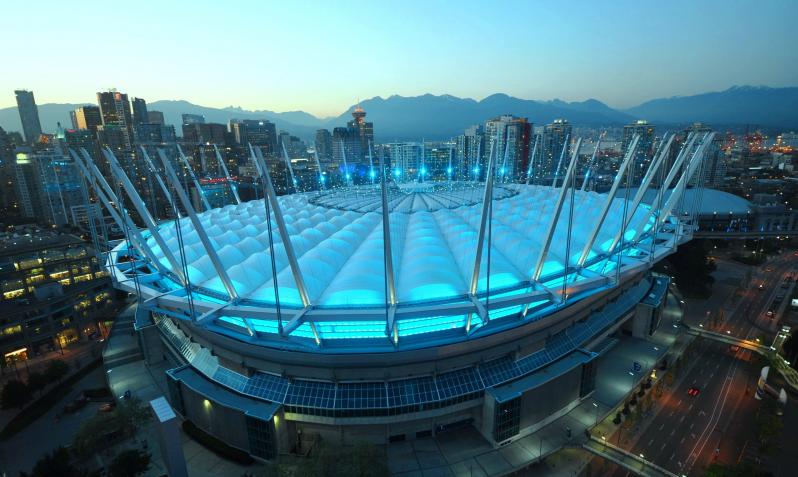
[{"x": 392, "y": 310}]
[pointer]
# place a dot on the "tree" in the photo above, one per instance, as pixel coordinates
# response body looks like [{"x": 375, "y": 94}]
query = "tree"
[
  {"x": 15, "y": 394},
  {"x": 93, "y": 435},
  {"x": 129, "y": 415},
  {"x": 96, "y": 432},
  {"x": 129, "y": 463},
  {"x": 57, "y": 462},
  {"x": 36, "y": 382},
  {"x": 56, "y": 370}
]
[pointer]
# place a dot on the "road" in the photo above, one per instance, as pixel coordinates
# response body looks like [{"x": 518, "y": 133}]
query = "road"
[{"x": 689, "y": 433}]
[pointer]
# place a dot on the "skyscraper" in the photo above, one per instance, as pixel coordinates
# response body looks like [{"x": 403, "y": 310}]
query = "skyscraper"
[
  {"x": 193, "y": 118},
  {"x": 155, "y": 117},
  {"x": 645, "y": 147},
  {"x": 88, "y": 117},
  {"x": 257, "y": 133},
  {"x": 510, "y": 136},
  {"x": 470, "y": 149},
  {"x": 713, "y": 169},
  {"x": 48, "y": 187},
  {"x": 8, "y": 196},
  {"x": 365, "y": 129},
  {"x": 200, "y": 133},
  {"x": 115, "y": 111},
  {"x": 29, "y": 115},
  {"x": 555, "y": 136},
  {"x": 323, "y": 144},
  {"x": 354, "y": 139},
  {"x": 140, "y": 114}
]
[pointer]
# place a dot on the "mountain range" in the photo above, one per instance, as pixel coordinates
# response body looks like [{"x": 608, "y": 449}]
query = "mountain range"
[{"x": 441, "y": 117}]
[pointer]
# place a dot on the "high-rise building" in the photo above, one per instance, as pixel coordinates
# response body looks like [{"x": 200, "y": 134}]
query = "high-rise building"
[
  {"x": 713, "y": 168},
  {"x": 323, "y": 144},
  {"x": 556, "y": 136},
  {"x": 154, "y": 133},
  {"x": 29, "y": 115},
  {"x": 140, "y": 114},
  {"x": 347, "y": 146},
  {"x": 470, "y": 149},
  {"x": 365, "y": 129},
  {"x": 193, "y": 118},
  {"x": 405, "y": 159},
  {"x": 352, "y": 142},
  {"x": 48, "y": 186},
  {"x": 645, "y": 147},
  {"x": 115, "y": 112},
  {"x": 82, "y": 138},
  {"x": 54, "y": 293},
  {"x": 88, "y": 117},
  {"x": 8, "y": 196},
  {"x": 261, "y": 133},
  {"x": 201, "y": 133},
  {"x": 155, "y": 117},
  {"x": 509, "y": 136}
]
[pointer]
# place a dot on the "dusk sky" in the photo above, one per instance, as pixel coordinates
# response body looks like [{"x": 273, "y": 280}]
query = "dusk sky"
[{"x": 321, "y": 57}]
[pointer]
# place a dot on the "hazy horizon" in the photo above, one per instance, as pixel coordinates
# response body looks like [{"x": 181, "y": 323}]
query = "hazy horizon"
[{"x": 321, "y": 58}]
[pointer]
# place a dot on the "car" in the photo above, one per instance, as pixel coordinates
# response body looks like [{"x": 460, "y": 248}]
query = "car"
[
  {"x": 693, "y": 391},
  {"x": 769, "y": 314},
  {"x": 768, "y": 269},
  {"x": 786, "y": 284},
  {"x": 734, "y": 348},
  {"x": 762, "y": 286},
  {"x": 107, "y": 407}
]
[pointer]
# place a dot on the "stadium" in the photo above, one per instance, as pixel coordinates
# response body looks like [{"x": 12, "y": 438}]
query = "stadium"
[{"x": 394, "y": 310}]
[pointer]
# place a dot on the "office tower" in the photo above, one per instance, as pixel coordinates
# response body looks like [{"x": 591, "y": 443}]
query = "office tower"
[
  {"x": 55, "y": 293},
  {"x": 114, "y": 137},
  {"x": 155, "y": 117},
  {"x": 203, "y": 133},
  {"x": 261, "y": 133},
  {"x": 645, "y": 147},
  {"x": 82, "y": 138},
  {"x": 713, "y": 169},
  {"x": 437, "y": 158},
  {"x": 28, "y": 115},
  {"x": 347, "y": 146},
  {"x": 323, "y": 144},
  {"x": 405, "y": 159},
  {"x": 115, "y": 112},
  {"x": 193, "y": 119},
  {"x": 73, "y": 118},
  {"x": 365, "y": 129},
  {"x": 48, "y": 187},
  {"x": 556, "y": 135},
  {"x": 154, "y": 133},
  {"x": 140, "y": 114},
  {"x": 469, "y": 150},
  {"x": 88, "y": 117},
  {"x": 8, "y": 197},
  {"x": 295, "y": 147},
  {"x": 509, "y": 136}
]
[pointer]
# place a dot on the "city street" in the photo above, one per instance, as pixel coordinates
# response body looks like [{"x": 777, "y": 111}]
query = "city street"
[{"x": 689, "y": 432}]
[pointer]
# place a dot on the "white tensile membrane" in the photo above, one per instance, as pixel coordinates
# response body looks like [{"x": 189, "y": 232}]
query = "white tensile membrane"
[{"x": 340, "y": 251}]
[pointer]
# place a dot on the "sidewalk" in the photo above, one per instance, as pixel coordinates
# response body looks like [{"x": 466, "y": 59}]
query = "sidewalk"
[{"x": 147, "y": 383}]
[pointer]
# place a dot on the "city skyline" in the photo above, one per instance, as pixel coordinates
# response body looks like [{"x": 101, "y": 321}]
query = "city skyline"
[{"x": 609, "y": 52}]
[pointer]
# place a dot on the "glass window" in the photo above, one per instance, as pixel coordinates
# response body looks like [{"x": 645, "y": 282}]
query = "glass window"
[{"x": 507, "y": 419}]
